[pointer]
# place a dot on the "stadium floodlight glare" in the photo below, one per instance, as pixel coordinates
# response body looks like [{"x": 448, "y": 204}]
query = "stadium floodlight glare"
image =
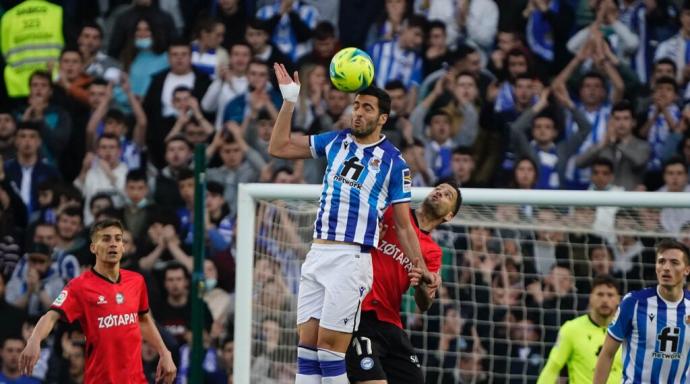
[{"x": 473, "y": 200}]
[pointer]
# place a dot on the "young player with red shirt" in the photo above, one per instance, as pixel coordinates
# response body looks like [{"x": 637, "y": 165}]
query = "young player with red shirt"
[
  {"x": 381, "y": 351},
  {"x": 111, "y": 305}
]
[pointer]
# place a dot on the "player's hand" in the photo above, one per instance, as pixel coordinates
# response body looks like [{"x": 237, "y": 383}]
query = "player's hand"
[
  {"x": 166, "y": 371},
  {"x": 289, "y": 86},
  {"x": 415, "y": 275},
  {"x": 29, "y": 357}
]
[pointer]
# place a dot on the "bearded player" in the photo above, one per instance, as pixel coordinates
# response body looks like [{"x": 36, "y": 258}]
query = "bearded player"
[
  {"x": 381, "y": 351},
  {"x": 111, "y": 305}
]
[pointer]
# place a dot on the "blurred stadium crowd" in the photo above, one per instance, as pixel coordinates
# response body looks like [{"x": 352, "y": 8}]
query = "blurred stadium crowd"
[{"x": 101, "y": 103}]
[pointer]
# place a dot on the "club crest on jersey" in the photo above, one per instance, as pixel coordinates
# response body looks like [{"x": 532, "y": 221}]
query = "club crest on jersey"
[
  {"x": 367, "y": 363},
  {"x": 119, "y": 298},
  {"x": 374, "y": 164}
]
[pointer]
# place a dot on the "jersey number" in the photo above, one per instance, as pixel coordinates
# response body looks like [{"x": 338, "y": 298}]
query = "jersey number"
[
  {"x": 669, "y": 335},
  {"x": 352, "y": 163},
  {"x": 358, "y": 345}
]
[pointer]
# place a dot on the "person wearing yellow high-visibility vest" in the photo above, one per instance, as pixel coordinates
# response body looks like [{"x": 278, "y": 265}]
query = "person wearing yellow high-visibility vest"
[{"x": 30, "y": 38}]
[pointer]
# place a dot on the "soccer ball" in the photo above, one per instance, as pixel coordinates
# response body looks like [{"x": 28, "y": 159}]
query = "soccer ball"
[{"x": 351, "y": 70}]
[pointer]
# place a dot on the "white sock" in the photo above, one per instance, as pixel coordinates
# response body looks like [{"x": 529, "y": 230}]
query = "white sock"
[
  {"x": 333, "y": 368},
  {"x": 308, "y": 368}
]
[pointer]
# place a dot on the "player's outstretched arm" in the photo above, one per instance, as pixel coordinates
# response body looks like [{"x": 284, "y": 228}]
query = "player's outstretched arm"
[
  {"x": 166, "y": 370},
  {"x": 603, "y": 368},
  {"x": 424, "y": 293},
  {"x": 409, "y": 241},
  {"x": 32, "y": 351},
  {"x": 282, "y": 143}
]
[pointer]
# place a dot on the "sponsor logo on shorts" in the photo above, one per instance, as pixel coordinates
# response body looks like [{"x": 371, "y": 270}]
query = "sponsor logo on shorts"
[
  {"x": 110, "y": 321},
  {"x": 60, "y": 299},
  {"x": 415, "y": 360},
  {"x": 367, "y": 363}
]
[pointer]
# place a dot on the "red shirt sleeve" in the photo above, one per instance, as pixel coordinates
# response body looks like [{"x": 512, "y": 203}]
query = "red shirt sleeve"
[
  {"x": 433, "y": 256},
  {"x": 68, "y": 304},
  {"x": 143, "y": 298}
]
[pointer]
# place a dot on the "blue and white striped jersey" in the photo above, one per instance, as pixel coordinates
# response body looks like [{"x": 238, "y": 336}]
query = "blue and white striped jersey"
[
  {"x": 654, "y": 334},
  {"x": 394, "y": 63},
  {"x": 360, "y": 182},
  {"x": 284, "y": 35}
]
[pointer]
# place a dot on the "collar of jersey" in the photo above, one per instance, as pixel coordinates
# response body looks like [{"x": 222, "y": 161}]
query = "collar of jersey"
[
  {"x": 670, "y": 303},
  {"x": 383, "y": 137},
  {"x": 416, "y": 222},
  {"x": 105, "y": 278}
]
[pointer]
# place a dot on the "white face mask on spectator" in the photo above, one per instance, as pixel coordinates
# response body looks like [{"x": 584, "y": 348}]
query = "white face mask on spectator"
[{"x": 143, "y": 43}]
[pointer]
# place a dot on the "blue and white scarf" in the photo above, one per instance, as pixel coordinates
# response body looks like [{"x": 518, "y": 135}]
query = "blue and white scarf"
[{"x": 540, "y": 34}]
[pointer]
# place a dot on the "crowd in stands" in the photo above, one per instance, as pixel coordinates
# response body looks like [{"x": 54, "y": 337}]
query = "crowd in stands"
[{"x": 103, "y": 102}]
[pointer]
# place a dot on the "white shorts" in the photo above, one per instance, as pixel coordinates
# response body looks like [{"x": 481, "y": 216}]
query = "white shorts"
[{"x": 335, "y": 278}]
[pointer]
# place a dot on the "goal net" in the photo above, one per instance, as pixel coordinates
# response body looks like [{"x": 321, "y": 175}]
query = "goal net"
[{"x": 516, "y": 265}]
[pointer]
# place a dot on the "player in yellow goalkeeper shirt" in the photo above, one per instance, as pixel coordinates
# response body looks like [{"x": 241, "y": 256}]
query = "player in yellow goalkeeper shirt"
[{"x": 580, "y": 340}]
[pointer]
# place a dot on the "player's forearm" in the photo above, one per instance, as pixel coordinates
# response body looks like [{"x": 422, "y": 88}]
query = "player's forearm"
[
  {"x": 410, "y": 246},
  {"x": 603, "y": 368},
  {"x": 44, "y": 327},
  {"x": 151, "y": 335},
  {"x": 280, "y": 136},
  {"x": 423, "y": 297}
]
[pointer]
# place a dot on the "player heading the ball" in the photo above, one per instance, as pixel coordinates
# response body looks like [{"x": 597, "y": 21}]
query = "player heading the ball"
[
  {"x": 653, "y": 324},
  {"x": 112, "y": 307},
  {"x": 364, "y": 175}
]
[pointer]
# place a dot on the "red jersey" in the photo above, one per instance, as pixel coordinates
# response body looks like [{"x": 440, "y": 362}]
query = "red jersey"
[
  {"x": 109, "y": 316},
  {"x": 391, "y": 267}
]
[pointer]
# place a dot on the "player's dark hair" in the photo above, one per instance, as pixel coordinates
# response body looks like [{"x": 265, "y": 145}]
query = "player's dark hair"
[
  {"x": 606, "y": 280},
  {"x": 667, "y": 80},
  {"x": 604, "y": 162},
  {"x": 103, "y": 224},
  {"x": 380, "y": 95},
  {"x": 456, "y": 186},
  {"x": 667, "y": 244}
]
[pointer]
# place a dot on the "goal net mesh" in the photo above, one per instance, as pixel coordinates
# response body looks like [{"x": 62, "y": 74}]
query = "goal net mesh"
[{"x": 511, "y": 276}]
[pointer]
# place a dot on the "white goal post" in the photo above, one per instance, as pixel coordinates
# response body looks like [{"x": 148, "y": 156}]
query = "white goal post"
[{"x": 250, "y": 194}]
